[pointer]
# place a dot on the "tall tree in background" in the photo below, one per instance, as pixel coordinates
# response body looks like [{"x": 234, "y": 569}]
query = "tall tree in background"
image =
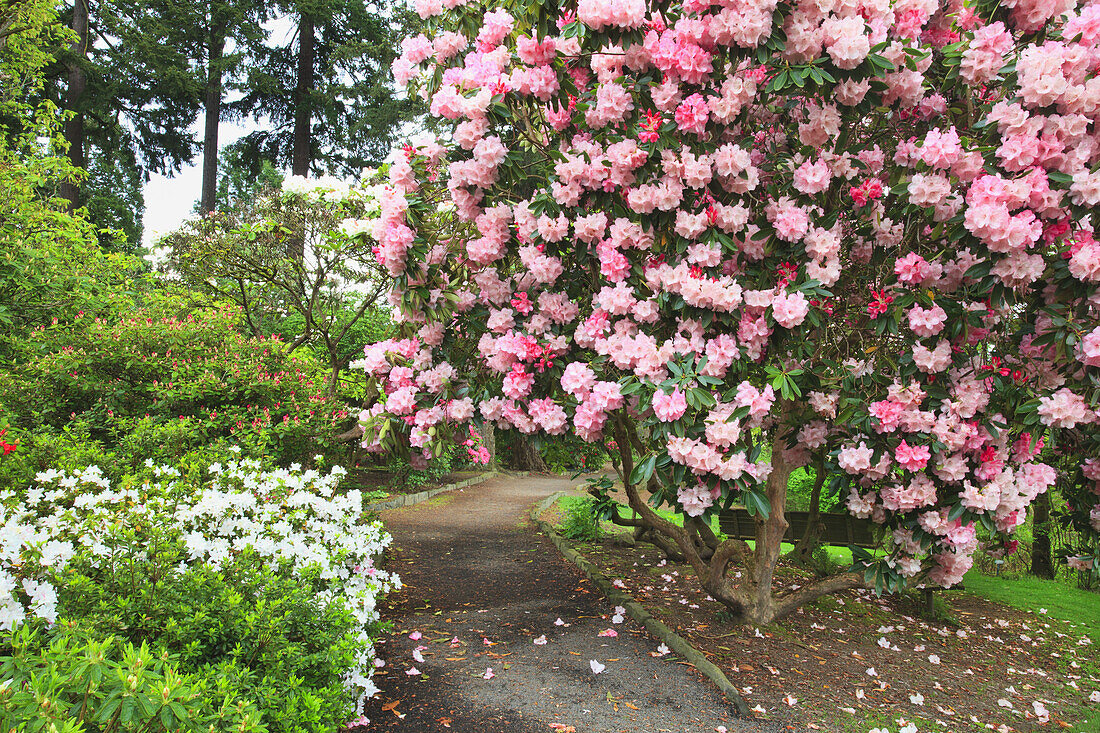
[
  {"x": 220, "y": 35},
  {"x": 128, "y": 86},
  {"x": 76, "y": 80},
  {"x": 326, "y": 92}
]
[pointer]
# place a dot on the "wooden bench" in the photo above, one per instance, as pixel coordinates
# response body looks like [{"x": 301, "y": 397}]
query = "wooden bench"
[{"x": 837, "y": 529}]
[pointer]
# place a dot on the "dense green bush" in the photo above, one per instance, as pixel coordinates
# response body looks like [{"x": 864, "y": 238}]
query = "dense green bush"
[
  {"x": 70, "y": 682},
  {"x": 800, "y": 488},
  {"x": 581, "y": 520},
  {"x": 161, "y": 386},
  {"x": 270, "y": 627},
  {"x": 566, "y": 453}
]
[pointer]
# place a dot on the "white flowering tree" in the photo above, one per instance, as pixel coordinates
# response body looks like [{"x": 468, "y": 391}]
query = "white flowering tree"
[
  {"x": 741, "y": 235},
  {"x": 290, "y": 251}
]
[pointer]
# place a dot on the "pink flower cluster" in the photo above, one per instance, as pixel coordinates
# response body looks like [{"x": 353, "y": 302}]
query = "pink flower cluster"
[{"x": 660, "y": 217}]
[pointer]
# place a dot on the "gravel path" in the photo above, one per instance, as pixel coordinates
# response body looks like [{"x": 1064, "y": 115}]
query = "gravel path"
[{"x": 480, "y": 586}]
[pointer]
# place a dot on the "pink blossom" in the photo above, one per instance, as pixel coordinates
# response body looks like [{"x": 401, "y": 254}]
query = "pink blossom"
[
  {"x": 812, "y": 177},
  {"x": 790, "y": 310},
  {"x": 912, "y": 458},
  {"x": 578, "y": 379},
  {"x": 692, "y": 114},
  {"x": 912, "y": 269},
  {"x": 927, "y": 321},
  {"x": 669, "y": 407}
]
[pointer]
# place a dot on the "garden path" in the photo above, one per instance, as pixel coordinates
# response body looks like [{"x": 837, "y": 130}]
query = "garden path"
[{"x": 480, "y": 587}]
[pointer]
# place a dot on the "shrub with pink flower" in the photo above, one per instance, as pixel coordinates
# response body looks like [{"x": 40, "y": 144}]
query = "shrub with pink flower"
[{"x": 693, "y": 241}]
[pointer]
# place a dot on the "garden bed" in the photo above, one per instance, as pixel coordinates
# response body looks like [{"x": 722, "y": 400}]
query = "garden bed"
[{"x": 851, "y": 661}]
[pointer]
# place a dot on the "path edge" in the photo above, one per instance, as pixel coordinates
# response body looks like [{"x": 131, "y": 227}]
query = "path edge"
[
  {"x": 637, "y": 611},
  {"x": 410, "y": 499}
]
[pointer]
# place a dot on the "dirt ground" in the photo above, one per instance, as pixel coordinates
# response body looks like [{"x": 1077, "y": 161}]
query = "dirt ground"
[
  {"x": 854, "y": 661},
  {"x": 482, "y": 588}
]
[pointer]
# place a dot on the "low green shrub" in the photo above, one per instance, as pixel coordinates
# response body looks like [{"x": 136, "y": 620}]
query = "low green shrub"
[
  {"x": 581, "y": 521},
  {"x": 70, "y": 682},
  {"x": 403, "y": 476},
  {"x": 160, "y": 385}
]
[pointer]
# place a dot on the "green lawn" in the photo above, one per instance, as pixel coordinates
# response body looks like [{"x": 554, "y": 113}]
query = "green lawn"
[{"x": 1060, "y": 600}]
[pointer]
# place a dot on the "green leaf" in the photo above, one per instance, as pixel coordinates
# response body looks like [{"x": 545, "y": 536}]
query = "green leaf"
[
  {"x": 643, "y": 470},
  {"x": 756, "y": 502}
]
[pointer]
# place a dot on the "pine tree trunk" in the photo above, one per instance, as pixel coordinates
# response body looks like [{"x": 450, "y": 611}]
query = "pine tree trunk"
[
  {"x": 303, "y": 109},
  {"x": 77, "y": 84},
  {"x": 301, "y": 154},
  {"x": 213, "y": 107},
  {"x": 1041, "y": 563}
]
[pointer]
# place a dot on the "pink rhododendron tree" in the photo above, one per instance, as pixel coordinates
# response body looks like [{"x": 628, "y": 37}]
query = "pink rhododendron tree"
[{"x": 854, "y": 231}]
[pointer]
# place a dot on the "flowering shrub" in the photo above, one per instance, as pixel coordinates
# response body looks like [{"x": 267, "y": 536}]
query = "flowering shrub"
[
  {"x": 157, "y": 385},
  {"x": 290, "y": 259},
  {"x": 857, "y": 230},
  {"x": 271, "y": 571}
]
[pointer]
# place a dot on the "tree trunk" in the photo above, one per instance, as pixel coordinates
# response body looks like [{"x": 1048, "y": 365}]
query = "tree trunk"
[
  {"x": 751, "y": 600},
  {"x": 489, "y": 440},
  {"x": 77, "y": 84},
  {"x": 334, "y": 377},
  {"x": 213, "y": 107},
  {"x": 303, "y": 108},
  {"x": 301, "y": 148},
  {"x": 811, "y": 538},
  {"x": 527, "y": 457},
  {"x": 1041, "y": 564}
]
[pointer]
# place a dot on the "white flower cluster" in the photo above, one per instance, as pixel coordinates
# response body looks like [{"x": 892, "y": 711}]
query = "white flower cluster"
[
  {"x": 292, "y": 518},
  {"x": 328, "y": 188}
]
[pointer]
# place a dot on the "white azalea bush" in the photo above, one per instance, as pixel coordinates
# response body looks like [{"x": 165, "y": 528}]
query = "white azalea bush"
[{"x": 264, "y": 577}]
